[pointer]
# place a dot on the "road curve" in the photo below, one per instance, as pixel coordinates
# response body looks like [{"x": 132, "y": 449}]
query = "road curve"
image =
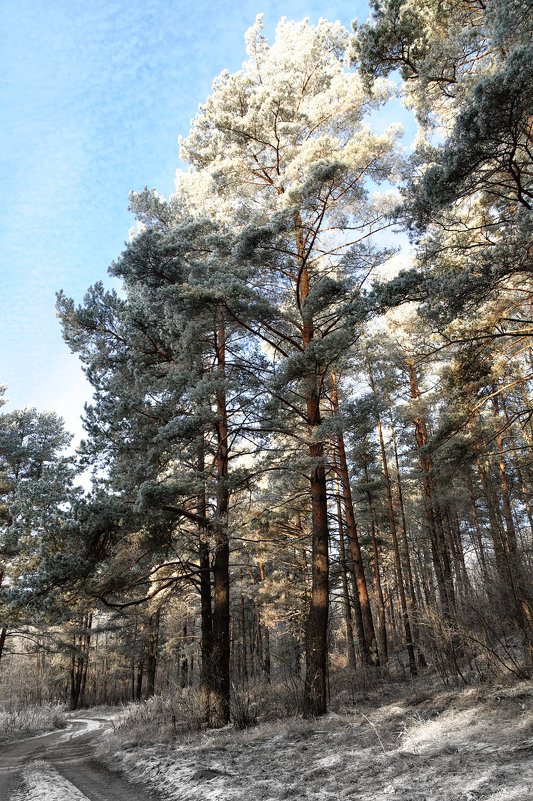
[{"x": 71, "y": 753}]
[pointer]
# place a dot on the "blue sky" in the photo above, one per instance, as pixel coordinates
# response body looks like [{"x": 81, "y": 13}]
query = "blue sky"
[{"x": 94, "y": 96}]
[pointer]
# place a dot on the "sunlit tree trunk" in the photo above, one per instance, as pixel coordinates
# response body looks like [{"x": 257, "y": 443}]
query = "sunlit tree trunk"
[{"x": 315, "y": 700}]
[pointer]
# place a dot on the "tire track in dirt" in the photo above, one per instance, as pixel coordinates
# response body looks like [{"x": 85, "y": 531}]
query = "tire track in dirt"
[
  {"x": 100, "y": 784},
  {"x": 71, "y": 753}
]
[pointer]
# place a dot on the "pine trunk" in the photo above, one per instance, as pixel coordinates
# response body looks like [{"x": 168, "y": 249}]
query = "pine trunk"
[
  {"x": 368, "y": 643},
  {"x": 220, "y": 706},
  {"x": 397, "y": 558},
  {"x": 206, "y": 610},
  {"x": 317, "y": 621},
  {"x": 315, "y": 687},
  {"x": 350, "y": 647},
  {"x": 382, "y": 627},
  {"x": 3, "y": 635},
  {"x": 151, "y": 656},
  {"x": 139, "y": 680}
]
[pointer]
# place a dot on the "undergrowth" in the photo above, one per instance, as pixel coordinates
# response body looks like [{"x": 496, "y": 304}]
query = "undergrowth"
[{"x": 24, "y": 721}]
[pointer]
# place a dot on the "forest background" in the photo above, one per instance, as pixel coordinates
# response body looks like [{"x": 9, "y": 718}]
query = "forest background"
[{"x": 310, "y": 465}]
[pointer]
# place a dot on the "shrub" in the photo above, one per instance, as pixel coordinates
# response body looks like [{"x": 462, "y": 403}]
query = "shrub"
[{"x": 18, "y": 721}]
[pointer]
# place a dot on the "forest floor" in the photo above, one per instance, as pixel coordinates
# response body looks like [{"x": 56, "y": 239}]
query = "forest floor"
[
  {"x": 400, "y": 742},
  {"x": 441, "y": 745}
]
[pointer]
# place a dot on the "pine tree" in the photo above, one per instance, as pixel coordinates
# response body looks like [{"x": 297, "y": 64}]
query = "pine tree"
[
  {"x": 286, "y": 143},
  {"x": 39, "y": 497}
]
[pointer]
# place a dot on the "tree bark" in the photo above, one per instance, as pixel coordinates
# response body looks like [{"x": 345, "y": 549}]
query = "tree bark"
[
  {"x": 3, "y": 635},
  {"x": 139, "y": 680},
  {"x": 317, "y": 621},
  {"x": 523, "y": 605},
  {"x": 315, "y": 687},
  {"x": 368, "y": 643},
  {"x": 151, "y": 656},
  {"x": 477, "y": 527},
  {"x": 382, "y": 626},
  {"x": 392, "y": 522},
  {"x": 220, "y": 707},
  {"x": 350, "y": 647},
  {"x": 264, "y": 638},
  {"x": 206, "y": 610},
  {"x": 439, "y": 551}
]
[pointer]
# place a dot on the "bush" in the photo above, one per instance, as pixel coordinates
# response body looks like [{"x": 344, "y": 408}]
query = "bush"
[
  {"x": 24, "y": 721},
  {"x": 161, "y": 717}
]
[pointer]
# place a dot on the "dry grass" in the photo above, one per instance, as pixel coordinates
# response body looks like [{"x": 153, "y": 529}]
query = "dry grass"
[
  {"x": 163, "y": 718},
  {"x": 159, "y": 718},
  {"x": 24, "y": 721},
  {"x": 422, "y": 745}
]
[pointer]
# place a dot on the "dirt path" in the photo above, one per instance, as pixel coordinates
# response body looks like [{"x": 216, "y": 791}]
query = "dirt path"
[{"x": 48, "y": 765}]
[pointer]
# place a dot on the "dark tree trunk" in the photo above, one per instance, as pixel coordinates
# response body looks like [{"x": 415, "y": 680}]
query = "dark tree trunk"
[
  {"x": 266, "y": 653},
  {"x": 263, "y": 638},
  {"x": 151, "y": 656},
  {"x": 184, "y": 665},
  {"x": 317, "y": 620},
  {"x": 316, "y": 640},
  {"x": 477, "y": 527},
  {"x": 3, "y": 635},
  {"x": 87, "y": 642},
  {"x": 523, "y": 604},
  {"x": 139, "y": 680},
  {"x": 75, "y": 683},
  {"x": 3, "y": 629},
  {"x": 206, "y": 609},
  {"x": 244, "y": 640},
  {"x": 76, "y": 672},
  {"x": 220, "y": 706},
  {"x": 80, "y": 659},
  {"x": 350, "y": 644},
  {"x": 219, "y": 712}
]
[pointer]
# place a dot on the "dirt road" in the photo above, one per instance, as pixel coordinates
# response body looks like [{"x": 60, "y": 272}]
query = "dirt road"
[{"x": 52, "y": 766}]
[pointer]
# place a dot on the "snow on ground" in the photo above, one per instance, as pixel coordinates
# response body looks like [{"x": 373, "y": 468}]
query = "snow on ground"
[
  {"x": 475, "y": 745},
  {"x": 42, "y": 782}
]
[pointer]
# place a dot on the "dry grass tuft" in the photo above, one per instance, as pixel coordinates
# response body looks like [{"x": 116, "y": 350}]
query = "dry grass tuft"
[
  {"x": 159, "y": 718},
  {"x": 24, "y": 721}
]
